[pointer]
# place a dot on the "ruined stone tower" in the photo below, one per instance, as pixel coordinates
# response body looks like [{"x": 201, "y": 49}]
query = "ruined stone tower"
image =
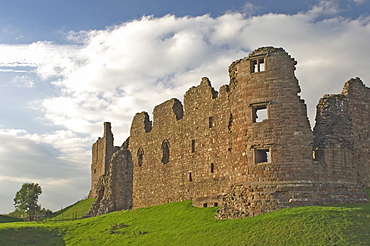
[
  {"x": 248, "y": 148},
  {"x": 102, "y": 151}
]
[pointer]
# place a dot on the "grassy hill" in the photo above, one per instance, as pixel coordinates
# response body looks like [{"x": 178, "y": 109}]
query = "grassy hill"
[
  {"x": 182, "y": 224},
  {"x": 6, "y": 219},
  {"x": 74, "y": 211}
]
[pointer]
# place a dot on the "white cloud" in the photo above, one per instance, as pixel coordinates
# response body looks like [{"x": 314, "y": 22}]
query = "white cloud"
[
  {"x": 128, "y": 68},
  {"x": 324, "y": 8},
  {"x": 134, "y": 66},
  {"x": 56, "y": 165},
  {"x": 249, "y": 8},
  {"x": 358, "y": 1}
]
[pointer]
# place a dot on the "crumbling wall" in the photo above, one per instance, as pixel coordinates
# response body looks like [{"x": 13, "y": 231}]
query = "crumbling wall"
[
  {"x": 102, "y": 151},
  {"x": 272, "y": 155},
  {"x": 197, "y": 167},
  {"x": 248, "y": 148},
  {"x": 114, "y": 189},
  {"x": 341, "y": 142}
]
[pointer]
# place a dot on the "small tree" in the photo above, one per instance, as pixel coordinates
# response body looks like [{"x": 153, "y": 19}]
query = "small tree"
[{"x": 26, "y": 200}]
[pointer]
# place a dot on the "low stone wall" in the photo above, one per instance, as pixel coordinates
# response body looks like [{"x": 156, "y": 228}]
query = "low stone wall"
[{"x": 248, "y": 200}]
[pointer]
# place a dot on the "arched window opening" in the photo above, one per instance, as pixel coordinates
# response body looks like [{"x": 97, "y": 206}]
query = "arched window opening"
[
  {"x": 165, "y": 152},
  {"x": 140, "y": 156}
]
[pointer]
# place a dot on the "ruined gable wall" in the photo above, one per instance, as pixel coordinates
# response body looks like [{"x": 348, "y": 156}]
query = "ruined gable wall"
[{"x": 193, "y": 146}]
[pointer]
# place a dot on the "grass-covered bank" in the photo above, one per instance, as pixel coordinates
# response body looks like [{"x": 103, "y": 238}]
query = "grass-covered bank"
[
  {"x": 75, "y": 211},
  {"x": 182, "y": 224}
]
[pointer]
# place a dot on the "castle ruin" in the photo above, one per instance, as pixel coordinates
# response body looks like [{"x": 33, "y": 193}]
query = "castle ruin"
[{"x": 247, "y": 148}]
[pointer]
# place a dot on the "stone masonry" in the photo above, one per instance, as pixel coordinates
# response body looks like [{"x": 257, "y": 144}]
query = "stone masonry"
[{"x": 247, "y": 148}]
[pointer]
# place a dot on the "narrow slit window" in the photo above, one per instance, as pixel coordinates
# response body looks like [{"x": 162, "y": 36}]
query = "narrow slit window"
[
  {"x": 210, "y": 122},
  {"x": 192, "y": 146},
  {"x": 190, "y": 177},
  {"x": 140, "y": 156},
  {"x": 212, "y": 169},
  {"x": 262, "y": 155},
  {"x": 165, "y": 152}
]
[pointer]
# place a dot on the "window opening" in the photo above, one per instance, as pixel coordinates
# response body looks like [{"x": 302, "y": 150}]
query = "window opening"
[
  {"x": 210, "y": 122},
  {"x": 192, "y": 146},
  {"x": 140, "y": 154},
  {"x": 205, "y": 205},
  {"x": 212, "y": 167},
  {"x": 95, "y": 171},
  {"x": 190, "y": 177},
  {"x": 165, "y": 152},
  {"x": 215, "y": 204},
  {"x": 260, "y": 111},
  {"x": 262, "y": 155},
  {"x": 258, "y": 65}
]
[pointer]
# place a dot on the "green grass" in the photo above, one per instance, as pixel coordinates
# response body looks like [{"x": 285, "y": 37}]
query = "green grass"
[{"x": 182, "y": 224}]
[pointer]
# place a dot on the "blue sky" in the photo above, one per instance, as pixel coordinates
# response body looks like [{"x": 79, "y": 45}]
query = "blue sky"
[{"x": 68, "y": 66}]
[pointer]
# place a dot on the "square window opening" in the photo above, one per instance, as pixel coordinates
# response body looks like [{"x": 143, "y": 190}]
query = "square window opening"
[
  {"x": 262, "y": 155},
  {"x": 258, "y": 65},
  {"x": 259, "y": 113}
]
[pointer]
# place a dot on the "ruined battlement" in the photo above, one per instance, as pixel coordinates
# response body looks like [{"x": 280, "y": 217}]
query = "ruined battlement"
[{"x": 247, "y": 148}]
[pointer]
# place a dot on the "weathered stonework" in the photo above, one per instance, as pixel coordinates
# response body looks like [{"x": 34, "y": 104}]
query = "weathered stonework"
[{"x": 248, "y": 148}]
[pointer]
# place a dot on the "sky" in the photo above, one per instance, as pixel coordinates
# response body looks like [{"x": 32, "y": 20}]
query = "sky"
[{"x": 68, "y": 66}]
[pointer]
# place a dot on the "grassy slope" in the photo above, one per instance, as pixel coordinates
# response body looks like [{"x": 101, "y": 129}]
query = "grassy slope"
[
  {"x": 6, "y": 219},
  {"x": 182, "y": 224},
  {"x": 74, "y": 211}
]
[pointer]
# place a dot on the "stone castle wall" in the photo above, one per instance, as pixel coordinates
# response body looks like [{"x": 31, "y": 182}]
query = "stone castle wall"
[
  {"x": 248, "y": 148},
  {"x": 342, "y": 135}
]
